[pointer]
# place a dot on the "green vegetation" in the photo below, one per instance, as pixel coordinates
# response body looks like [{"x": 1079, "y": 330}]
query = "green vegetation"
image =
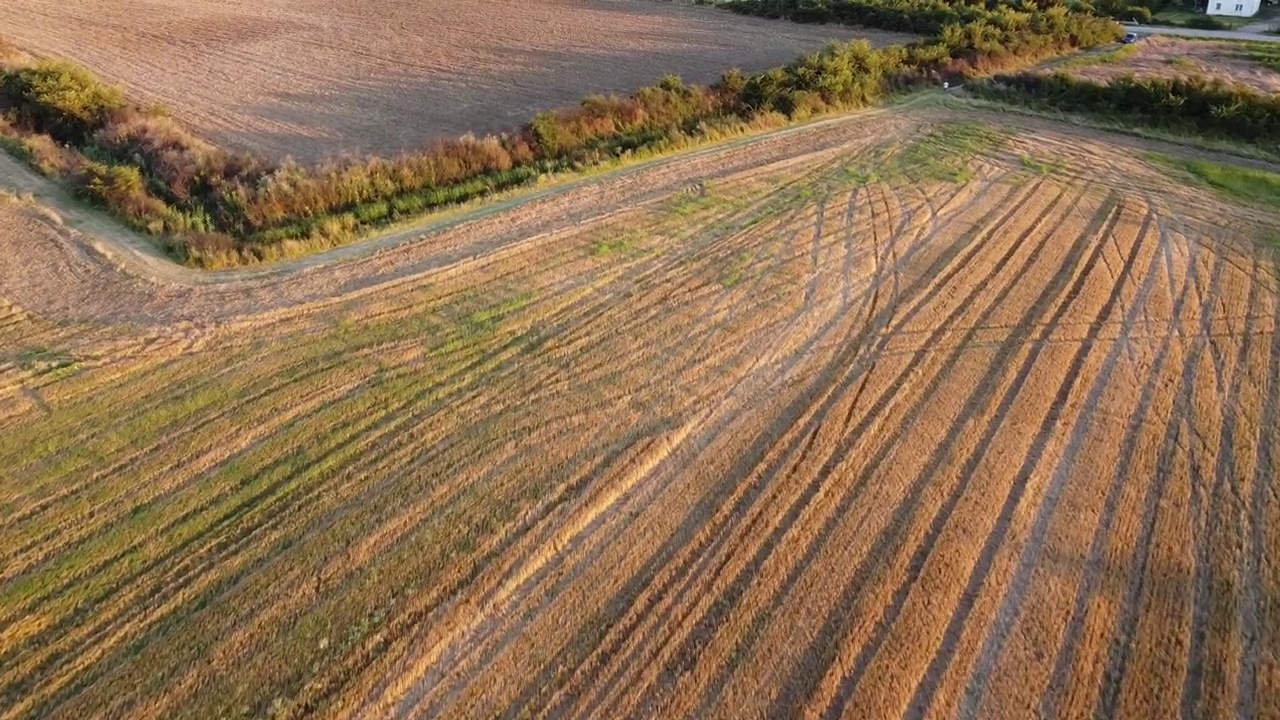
[
  {"x": 1258, "y": 187},
  {"x": 1189, "y": 18},
  {"x": 214, "y": 208},
  {"x": 46, "y": 361},
  {"x": 619, "y": 243},
  {"x": 1265, "y": 54},
  {"x": 1197, "y": 105},
  {"x": 1110, "y": 57},
  {"x": 1041, "y": 166},
  {"x": 946, "y": 153}
]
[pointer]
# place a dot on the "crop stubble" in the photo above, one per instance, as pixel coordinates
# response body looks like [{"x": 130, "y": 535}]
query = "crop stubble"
[{"x": 800, "y": 439}]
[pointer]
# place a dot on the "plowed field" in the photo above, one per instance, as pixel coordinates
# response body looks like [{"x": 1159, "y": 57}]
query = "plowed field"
[
  {"x": 316, "y": 78},
  {"x": 888, "y": 417}
]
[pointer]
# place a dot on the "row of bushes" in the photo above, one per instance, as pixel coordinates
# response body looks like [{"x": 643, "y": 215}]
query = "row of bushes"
[
  {"x": 223, "y": 208},
  {"x": 1206, "y": 106},
  {"x": 930, "y": 18}
]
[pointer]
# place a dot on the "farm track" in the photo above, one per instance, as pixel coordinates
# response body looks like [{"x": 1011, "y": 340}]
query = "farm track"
[{"x": 769, "y": 430}]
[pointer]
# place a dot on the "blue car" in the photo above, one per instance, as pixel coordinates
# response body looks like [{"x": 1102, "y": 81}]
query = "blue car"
[{"x": 1130, "y": 38}]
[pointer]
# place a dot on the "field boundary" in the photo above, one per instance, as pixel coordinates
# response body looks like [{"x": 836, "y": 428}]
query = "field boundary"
[{"x": 132, "y": 254}]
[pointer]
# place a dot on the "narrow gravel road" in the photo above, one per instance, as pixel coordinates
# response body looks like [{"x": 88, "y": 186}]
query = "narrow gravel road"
[{"x": 1207, "y": 34}]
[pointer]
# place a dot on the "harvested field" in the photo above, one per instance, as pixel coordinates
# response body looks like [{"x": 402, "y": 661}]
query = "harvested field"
[
  {"x": 316, "y": 78},
  {"x": 889, "y": 416},
  {"x": 1256, "y": 65}
]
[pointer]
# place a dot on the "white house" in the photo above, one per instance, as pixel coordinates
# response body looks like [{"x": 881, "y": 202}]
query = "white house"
[{"x": 1234, "y": 8}]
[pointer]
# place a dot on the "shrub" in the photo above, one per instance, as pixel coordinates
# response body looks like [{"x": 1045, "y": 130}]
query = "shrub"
[
  {"x": 1197, "y": 104},
  {"x": 121, "y": 190},
  {"x": 60, "y": 99},
  {"x": 1205, "y": 22}
]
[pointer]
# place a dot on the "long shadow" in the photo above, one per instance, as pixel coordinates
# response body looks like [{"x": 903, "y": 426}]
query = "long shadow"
[
  {"x": 1224, "y": 473},
  {"x": 492, "y": 651},
  {"x": 708, "y": 626},
  {"x": 1059, "y": 677},
  {"x": 809, "y": 672},
  {"x": 928, "y": 685},
  {"x": 824, "y": 380},
  {"x": 690, "y": 576},
  {"x": 1011, "y": 605},
  {"x": 1263, "y": 486}
]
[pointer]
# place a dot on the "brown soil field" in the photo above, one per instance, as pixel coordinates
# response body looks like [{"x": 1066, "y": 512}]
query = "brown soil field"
[
  {"x": 319, "y": 78},
  {"x": 1168, "y": 57},
  {"x": 898, "y": 415}
]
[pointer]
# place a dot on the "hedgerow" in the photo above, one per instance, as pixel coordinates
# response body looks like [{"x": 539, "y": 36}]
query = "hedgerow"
[
  {"x": 219, "y": 208},
  {"x": 1201, "y": 105}
]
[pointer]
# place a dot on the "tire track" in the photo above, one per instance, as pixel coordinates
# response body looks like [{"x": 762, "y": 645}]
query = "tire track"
[
  {"x": 889, "y": 540},
  {"x": 927, "y": 688},
  {"x": 737, "y": 504},
  {"x": 1014, "y": 597},
  {"x": 1254, "y": 616},
  {"x": 1088, "y": 585},
  {"x": 1122, "y": 639},
  {"x": 1225, "y": 473}
]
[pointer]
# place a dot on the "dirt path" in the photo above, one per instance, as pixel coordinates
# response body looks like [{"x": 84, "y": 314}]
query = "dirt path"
[
  {"x": 113, "y": 263},
  {"x": 1241, "y": 34}
]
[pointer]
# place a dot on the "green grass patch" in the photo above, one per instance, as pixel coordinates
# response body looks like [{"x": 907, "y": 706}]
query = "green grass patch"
[
  {"x": 946, "y": 153},
  {"x": 858, "y": 177},
  {"x": 1248, "y": 185},
  {"x": 1265, "y": 54},
  {"x": 46, "y": 361},
  {"x": 488, "y": 317},
  {"x": 693, "y": 200},
  {"x": 1272, "y": 238},
  {"x": 1041, "y": 166},
  {"x": 621, "y": 243},
  {"x": 735, "y": 272}
]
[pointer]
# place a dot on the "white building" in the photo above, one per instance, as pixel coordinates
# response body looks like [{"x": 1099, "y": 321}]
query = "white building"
[{"x": 1234, "y": 8}]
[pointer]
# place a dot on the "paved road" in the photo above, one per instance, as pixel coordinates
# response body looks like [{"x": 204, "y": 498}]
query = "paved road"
[{"x": 1212, "y": 34}]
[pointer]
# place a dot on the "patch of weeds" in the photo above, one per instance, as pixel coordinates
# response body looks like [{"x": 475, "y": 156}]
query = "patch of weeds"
[
  {"x": 735, "y": 272},
  {"x": 697, "y": 197},
  {"x": 1112, "y": 57},
  {"x": 1272, "y": 238},
  {"x": 1184, "y": 63},
  {"x": 45, "y": 361},
  {"x": 624, "y": 242},
  {"x": 945, "y": 154},
  {"x": 486, "y": 318},
  {"x": 1041, "y": 166},
  {"x": 857, "y": 177},
  {"x": 1257, "y": 187}
]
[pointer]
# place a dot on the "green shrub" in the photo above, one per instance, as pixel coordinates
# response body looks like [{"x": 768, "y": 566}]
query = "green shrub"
[
  {"x": 60, "y": 99},
  {"x": 1191, "y": 104},
  {"x": 1205, "y": 22},
  {"x": 121, "y": 189}
]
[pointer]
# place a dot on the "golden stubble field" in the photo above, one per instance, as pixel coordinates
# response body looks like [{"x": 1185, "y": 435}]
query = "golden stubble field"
[
  {"x": 315, "y": 78},
  {"x": 888, "y": 417}
]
